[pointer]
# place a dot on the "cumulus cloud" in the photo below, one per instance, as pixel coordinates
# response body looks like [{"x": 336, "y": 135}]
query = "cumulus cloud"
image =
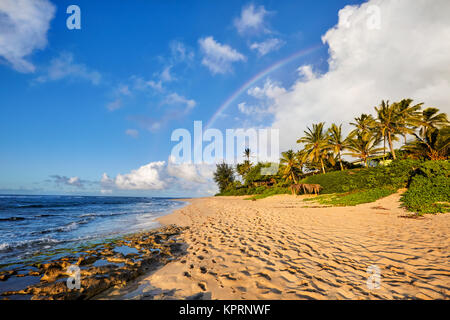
[
  {"x": 251, "y": 20},
  {"x": 267, "y": 46},
  {"x": 147, "y": 177},
  {"x": 176, "y": 99},
  {"x": 170, "y": 176},
  {"x": 189, "y": 172},
  {"x": 68, "y": 181},
  {"x": 270, "y": 90},
  {"x": 64, "y": 67},
  {"x": 218, "y": 57},
  {"x": 23, "y": 29},
  {"x": 379, "y": 50},
  {"x": 261, "y": 107}
]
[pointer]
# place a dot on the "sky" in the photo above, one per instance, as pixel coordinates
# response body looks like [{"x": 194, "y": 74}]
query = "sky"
[{"x": 91, "y": 111}]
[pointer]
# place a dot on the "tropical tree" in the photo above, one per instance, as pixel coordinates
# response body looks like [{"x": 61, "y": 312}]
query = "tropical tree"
[
  {"x": 290, "y": 167},
  {"x": 243, "y": 168},
  {"x": 432, "y": 119},
  {"x": 316, "y": 147},
  {"x": 434, "y": 144},
  {"x": 223, "y": 176},
  {"x": 408, "y": 117},
  {"x": 337, "y": 142},
  {"x": 364, "y": 146},
  {"x": 364, "y": 123},
  {"x": 247, "y": 154},
  {"x": 386, "y": 124}
]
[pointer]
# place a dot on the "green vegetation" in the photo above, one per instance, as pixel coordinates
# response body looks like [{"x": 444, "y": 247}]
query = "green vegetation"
[
  {"x": 429, "y": 190},
  {"x": 224, "y": 176},
  {"x": 353, "y": 198},
  {"x": 377, "y": 169},
  {"x": 396, "y": 176}
]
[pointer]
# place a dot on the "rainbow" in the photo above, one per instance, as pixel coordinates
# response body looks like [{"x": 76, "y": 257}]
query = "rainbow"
[{"x": 256, "y": 78}]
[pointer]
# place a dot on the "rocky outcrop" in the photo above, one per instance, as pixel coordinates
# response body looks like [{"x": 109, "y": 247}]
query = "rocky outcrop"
[{"x": 102, "y": 266}]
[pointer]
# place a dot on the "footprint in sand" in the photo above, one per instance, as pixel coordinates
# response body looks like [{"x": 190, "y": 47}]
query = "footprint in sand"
[{"x": 202, "y": 285}]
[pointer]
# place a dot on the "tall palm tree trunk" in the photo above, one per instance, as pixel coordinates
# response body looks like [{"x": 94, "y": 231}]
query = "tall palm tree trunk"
[
  {"x": 323, "y": 167},
  {"x": 391, "y": 146},
  {"x": 340, "y": 162}
]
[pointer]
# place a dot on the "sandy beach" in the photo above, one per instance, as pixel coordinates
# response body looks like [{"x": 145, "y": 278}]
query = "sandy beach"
[{"x": 283, "y": 248}]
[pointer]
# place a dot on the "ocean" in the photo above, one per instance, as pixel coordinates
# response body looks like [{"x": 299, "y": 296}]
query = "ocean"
[{"x": 32, "y": 226}]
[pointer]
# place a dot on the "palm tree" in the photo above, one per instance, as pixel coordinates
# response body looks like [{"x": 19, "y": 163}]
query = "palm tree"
[
  {"x": 434, "y": 144},
  {"x": 224, "y": 176},
  {"x": 364, "y": 146},
  {"x": 363, "y": 123},
  {"x": 316, "y": 144},
  {"x": 337, "y": 142},
  {"x": 387, "y": 121},
  {"x": 409, "y": 117},
  {"x": 247, "y": 154},
  {"x": 290, "y": 168},
  {"x": 432, "y": 119},
  {"x": 243, "y": 168}
]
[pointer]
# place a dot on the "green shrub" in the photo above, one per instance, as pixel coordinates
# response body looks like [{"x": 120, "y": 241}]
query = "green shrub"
[
  {"x": 255, "y": 173},
  {"x": 396, "y": 175},
  {"x": 428, "y": 185},
  {"x": 429, "y": 190}
]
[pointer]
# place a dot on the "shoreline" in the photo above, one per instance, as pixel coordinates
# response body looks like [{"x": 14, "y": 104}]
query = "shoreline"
[
  {"x": 283, "y": 248},
  {"x": 137, "y": 253},
  {"x": 274, "y": 248}
]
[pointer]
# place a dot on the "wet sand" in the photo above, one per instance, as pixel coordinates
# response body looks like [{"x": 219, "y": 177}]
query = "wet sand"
[{"x": 283, "y": 248}]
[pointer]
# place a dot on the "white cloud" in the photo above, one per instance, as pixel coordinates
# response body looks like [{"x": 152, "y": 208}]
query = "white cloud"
[
  {"x": 267, "y": 46},
  {"x": 124, "y": 90},
  {"x": 166, "y": 76},
  {"x": 306, "y": 73},
  {"x": 159, "y": 175},
  {"x": 252, "y": 20},
  {"x": 189, "y": 172},
  {"x": 250, "y": 109},
  {"x": 270, "y": 90},
  {"x": 23, "y": 29},
  {"x": 68, "y": 181},
  {"x": 176, "y": 99},
  {"x": 180, "y": 53},
  {"x": 132, "y": 133},
  {"x": 147, "y": 177},
  {"x": 114, "y": 105},
  {"x": 406, "y": 57},
  {"x": 157, "y": 85},
  {"x": 263, "y": 106},
  {"x": 218, "y": 57},
  {"x": 64, "y": 67}
]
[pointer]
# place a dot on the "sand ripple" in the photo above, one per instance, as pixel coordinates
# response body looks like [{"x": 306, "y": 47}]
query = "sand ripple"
[{"x": 282, "y": 248}]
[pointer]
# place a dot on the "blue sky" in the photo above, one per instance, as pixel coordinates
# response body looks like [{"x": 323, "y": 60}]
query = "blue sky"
[{"x": 105, "y": 99}]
